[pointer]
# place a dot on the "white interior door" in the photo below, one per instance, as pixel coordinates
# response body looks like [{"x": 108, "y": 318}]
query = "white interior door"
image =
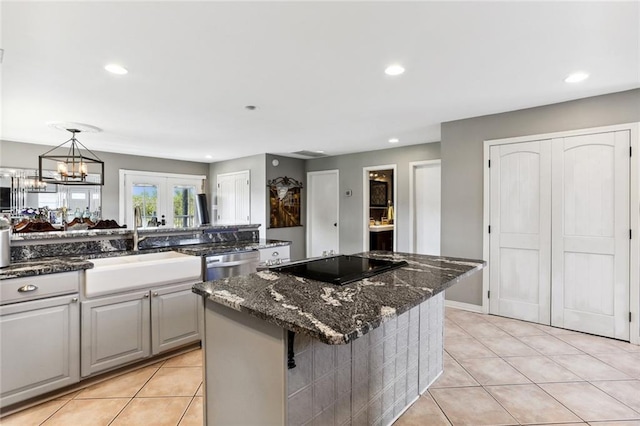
[
  {"x": 322, "y": 212},
  {"x": 520, "y": 238},
  {"x": 591, "y": 234},
  {"x": 234, "y": 198},
  {"x": 426, "y": 207}
]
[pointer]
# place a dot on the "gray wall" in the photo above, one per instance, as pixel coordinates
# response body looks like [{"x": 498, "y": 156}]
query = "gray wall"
[
  {"x": 350, "y": 167},
  {"x": 462, "y": 165},
  {"x": 256, "y": 166},
  {"x": 293, "y": 168},
  {"x": 25, "y": 155}
]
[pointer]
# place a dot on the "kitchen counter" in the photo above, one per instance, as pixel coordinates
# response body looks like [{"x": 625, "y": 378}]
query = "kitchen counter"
[
  {"x": 221, "y": 248},
  {"x": 338, "y": 315},
  {"x": 30, "y": 268},
  {"x": 323, "y": 354},
  {"x": 52, "y": 265},
  {"x": 71, "y": 234}
]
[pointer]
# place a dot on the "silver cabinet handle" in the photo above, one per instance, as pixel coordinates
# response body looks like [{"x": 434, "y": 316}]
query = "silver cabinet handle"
[
  {"x": 275, "y": 253},
  {"x": 27, "y": 288},
  {"x": 74, "y": 300},
  {"x": 146, "y": 296},
  {"x": 155, "y": 294}
]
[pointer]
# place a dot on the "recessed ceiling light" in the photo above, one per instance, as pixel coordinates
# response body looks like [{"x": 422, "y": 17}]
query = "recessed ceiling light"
[
  {"x": 394, "y": 140},
  {"x": 394, "y": 69},
  {"x": 576, "y": 77},
  {"x": 208, "y": 156},
  {"x": 320, "y": 152},
  {"x": 116, "y": 69}
]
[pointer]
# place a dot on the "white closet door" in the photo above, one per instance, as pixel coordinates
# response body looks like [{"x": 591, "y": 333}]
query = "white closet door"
[
  {"x": 234, "y": 196},
  {"x": 520, "y": 238},
  {"x": 427, "y": 207},
  {"x": 591, "y": 234}
]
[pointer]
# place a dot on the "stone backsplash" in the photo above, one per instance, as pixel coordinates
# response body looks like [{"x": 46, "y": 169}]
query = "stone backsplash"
[{"x": 82, "y": 243}]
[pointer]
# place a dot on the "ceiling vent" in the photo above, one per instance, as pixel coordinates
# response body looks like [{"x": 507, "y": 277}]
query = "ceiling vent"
[{"x": 310, "y": 154}]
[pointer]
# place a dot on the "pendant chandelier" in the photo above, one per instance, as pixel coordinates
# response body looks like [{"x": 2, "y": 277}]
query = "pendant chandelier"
[{"x": 72, "y": 163}]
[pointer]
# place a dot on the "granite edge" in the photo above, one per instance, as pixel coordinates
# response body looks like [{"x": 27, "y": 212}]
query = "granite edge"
[{"x": 231, "y": 301}]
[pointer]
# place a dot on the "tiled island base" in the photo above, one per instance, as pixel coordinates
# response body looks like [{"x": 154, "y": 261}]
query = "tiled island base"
[{"x": 370, "y": 381}]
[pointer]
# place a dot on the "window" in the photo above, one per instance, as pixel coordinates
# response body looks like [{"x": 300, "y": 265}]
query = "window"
[{"x": 164, "y": 199}]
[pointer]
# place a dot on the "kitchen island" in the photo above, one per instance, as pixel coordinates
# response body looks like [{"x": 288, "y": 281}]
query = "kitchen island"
[{"x": 281, "y": 349}]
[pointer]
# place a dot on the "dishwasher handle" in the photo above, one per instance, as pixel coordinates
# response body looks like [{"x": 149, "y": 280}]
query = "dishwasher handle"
[{"x": 218, "y": 264}]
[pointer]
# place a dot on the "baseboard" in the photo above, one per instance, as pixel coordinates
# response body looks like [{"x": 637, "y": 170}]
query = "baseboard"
[{"x": 463, "y": 306}]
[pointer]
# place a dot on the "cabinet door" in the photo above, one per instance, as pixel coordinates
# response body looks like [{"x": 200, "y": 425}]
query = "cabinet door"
[
  {"x": 176, "y": 317},
  {"x": 115, "y": 331},
  {"x": 39, "y": 347},
  {"x": 591, "y": 234}
]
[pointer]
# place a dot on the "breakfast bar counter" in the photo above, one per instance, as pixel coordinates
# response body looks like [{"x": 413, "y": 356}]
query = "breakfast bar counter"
[{"x": 283, "y": 349}]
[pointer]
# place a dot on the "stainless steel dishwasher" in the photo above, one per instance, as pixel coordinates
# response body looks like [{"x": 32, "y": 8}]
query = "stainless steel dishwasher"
[{"x": 231, "y": 265}]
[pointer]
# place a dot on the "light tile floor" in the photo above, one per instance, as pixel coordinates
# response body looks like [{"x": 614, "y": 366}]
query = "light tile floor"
[{"x": 498, "y": 371}]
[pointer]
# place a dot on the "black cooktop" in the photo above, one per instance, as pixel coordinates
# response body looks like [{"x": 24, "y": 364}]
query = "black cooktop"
[{"x": 340, "y": 270}]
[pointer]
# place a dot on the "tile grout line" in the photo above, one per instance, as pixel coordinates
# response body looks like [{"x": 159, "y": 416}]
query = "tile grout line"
[
  {"x": 612, "y": 396},
  {"x": 135, "y": 394},
  {"x": 186, "y": 409},
  {"x": 52, "y": 414},
  {"x": 438, "y": 405}
]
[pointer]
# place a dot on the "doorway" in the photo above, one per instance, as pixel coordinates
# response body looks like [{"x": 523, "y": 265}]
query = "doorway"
[
  {"x": 323, "y": 232},
  {"x": 379, "y": 191}
]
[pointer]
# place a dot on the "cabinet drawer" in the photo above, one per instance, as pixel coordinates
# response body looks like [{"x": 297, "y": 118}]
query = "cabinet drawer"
[
  {"x": 36, "y": 287},
  {"x": 273, "y": 253}
]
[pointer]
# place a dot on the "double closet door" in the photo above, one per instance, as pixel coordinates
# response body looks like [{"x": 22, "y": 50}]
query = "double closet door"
[{"x": 559, "y": 237}]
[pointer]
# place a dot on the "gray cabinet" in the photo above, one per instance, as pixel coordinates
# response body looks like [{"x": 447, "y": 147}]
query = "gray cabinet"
[
  {"x": 124, "y": 328},
  {"x": 39, "y": 347},
  {"x": 115, "y": 331},
  {"x": 176, "y": 317}
]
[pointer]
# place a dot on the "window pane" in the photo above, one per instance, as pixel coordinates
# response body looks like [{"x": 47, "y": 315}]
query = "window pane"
[
  {"x": 145, "y": 196},
  {"x": 184, "y": 205}
]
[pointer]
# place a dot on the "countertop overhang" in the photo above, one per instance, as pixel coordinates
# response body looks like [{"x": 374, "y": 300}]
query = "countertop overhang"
[{"x": 338, "y": 315}]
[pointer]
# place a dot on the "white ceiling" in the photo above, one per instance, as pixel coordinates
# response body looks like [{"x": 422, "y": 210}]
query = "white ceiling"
[{"x": 314, "y": 69}]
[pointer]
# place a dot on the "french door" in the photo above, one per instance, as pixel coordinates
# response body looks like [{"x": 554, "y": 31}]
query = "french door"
[
  {"x": 559, "y": 241},
  {"x": 163, "y": 200}
]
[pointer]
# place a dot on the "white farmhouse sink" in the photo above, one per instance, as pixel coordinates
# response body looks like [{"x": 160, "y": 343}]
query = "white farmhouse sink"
[{"x": 124, "y": 273}]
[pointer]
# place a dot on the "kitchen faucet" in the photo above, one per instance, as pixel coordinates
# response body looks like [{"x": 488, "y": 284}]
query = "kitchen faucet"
[{"x": 137, "y": 222}]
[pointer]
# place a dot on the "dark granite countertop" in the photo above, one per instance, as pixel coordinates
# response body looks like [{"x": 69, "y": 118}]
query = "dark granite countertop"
[
  {"x": 338, "y": 315},
  {"x": 52, "y": 265},
  {"x": 44, "y": 266},
  {"x": 18, "y": 237},
  {"x": 220, "y": 248}
]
